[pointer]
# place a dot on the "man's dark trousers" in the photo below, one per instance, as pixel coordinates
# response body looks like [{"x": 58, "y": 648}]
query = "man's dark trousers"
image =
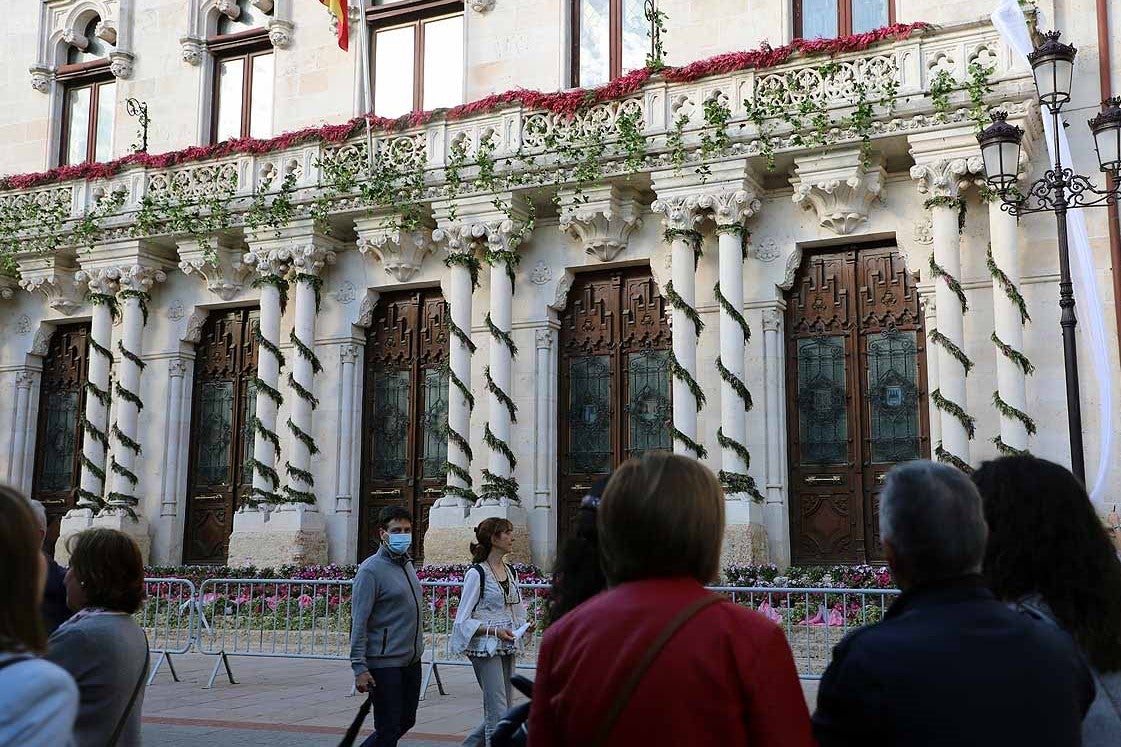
[{"x": 396, "y": 694}]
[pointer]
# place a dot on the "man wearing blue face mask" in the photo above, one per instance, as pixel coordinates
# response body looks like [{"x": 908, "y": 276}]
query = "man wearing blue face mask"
[{"x": 386, "y": 630}]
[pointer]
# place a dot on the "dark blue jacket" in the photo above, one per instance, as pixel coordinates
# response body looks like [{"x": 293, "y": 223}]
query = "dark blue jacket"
[
  {"x": 951, "y": 665},
  {"x": 55, "y": 611}
]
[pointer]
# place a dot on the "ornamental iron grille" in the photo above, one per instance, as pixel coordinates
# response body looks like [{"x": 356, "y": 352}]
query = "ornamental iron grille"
[
  {"x": 614, "y": 379},
  {"x": 856, "y": 370},
  {"x": 224, "y": 402},
  {"x": 58, "y": 447},
  {"x": 405, "y": 413}
]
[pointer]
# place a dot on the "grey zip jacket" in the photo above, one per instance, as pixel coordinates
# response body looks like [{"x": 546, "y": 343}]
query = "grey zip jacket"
[{"x": 386, "y": 623}]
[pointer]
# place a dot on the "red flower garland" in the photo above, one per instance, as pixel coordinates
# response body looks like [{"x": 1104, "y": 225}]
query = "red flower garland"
[{"x": 565, "y": 103}]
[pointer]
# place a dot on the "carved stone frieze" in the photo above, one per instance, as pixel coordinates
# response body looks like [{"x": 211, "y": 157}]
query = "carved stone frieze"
[
  {"x": 841, "y": 186},
  {"x": 604, "y": 222},
  {"x": 400, "y": 250},
  {"x": 222, "y": 267},
  {"x": 924, "y": 231},
  {"x": 59, "y": 284}
]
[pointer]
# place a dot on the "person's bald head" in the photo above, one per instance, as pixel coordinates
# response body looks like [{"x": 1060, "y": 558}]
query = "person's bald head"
[{"x": 40, "y": 517}]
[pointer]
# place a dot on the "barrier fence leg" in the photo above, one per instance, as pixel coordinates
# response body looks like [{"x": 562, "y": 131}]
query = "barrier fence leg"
[
  {"x": 171, "y": 666},
  {"x": 430, "y": 671},
  {"x": 156, "y": 669},
  {"x": 222, "y": 659}
]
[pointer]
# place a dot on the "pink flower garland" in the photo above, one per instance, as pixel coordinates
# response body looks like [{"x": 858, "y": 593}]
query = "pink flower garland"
[{"x": 565, "y": 103}]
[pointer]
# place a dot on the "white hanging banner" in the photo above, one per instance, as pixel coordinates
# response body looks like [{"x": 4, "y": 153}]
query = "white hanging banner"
[{"x": 1009, "y": 20}]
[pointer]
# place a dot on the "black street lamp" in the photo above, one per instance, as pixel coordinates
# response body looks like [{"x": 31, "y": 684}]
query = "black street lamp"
[{"x": 1057, "y": 191}]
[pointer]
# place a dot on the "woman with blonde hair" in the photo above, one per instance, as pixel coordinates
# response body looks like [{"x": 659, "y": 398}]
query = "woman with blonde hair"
[
  {"x": 488, "y": 623},
  {"x": 658, "y": 659},
  {"x": 38, "y": 700}
]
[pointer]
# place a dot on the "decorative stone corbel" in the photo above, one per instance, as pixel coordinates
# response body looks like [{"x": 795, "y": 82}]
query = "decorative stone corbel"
[
  {"x": 946, "y": 161},
  {"x": 120, "y": 64},
  {"x": 482, "y": 6},
  {"x": 56, "y": 278},
  {"x": 265, "y": 6},
  {"x": 106, "y": 31},
  {"x": 222, "y": 267},
  {"x": 41, "y": 77},
  {"x": 191, "y": 49},
  {"x": 840, "y": 186},
  {"x": 72, "y": 38},
  {"x": 400, "y": 250},
  {"x": 280, "y": 32},
  {"x": 604, "y": 222},
  {"x": 228, "y": 8}
]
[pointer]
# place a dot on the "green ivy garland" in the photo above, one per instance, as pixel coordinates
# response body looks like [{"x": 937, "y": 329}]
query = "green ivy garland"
[
  {"x": 938, "y": 271},
  {"x": 1012, "y": 354},
  {"x": 957, "y": 203},
  {"x": 952, "y": 348},
  {"x": 967, "y": 420},
  {"x": 467, "y": 491},
  {"x": 949, "y": 458},
  {"x": 503, "y": 337},
  {"x": 304, "y": 350},
  {"x": 1009, "y": 411},
  {"x": 1007, "y": 286},
  {"x": 128, "y": 500},
  {"x": 1007, "y": 450},
  {"x": 733, "y": 312},
  {"x": 735, "y": 482},
  {"x": 676, "y": 301},
  {"x": 465, "y": 259},
  {"x": 1013, "y": 294}
]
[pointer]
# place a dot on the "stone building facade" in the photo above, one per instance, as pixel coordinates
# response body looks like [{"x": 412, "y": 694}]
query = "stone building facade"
[{"x": 783, "y": 262}]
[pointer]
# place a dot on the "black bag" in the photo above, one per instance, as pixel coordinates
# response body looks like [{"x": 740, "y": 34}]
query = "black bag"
[
  {"x": 512, "y": 730},
  {"x": 363, "y": 712}
]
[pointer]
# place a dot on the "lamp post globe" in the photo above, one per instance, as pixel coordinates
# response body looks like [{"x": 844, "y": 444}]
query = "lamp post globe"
[
  {"x": 1000, "y": 150},
  {"x": 1106, "y": 128},
  {"x": 1052, "y": 64}
]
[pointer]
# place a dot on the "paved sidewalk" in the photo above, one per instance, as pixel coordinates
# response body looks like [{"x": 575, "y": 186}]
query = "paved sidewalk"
[{"x": 297, "y": 702}]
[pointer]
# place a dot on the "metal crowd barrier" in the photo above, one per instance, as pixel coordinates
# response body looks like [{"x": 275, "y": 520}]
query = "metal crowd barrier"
[
  {"x": 310, "y": 619},
  {"x": 168, "y": 616}
]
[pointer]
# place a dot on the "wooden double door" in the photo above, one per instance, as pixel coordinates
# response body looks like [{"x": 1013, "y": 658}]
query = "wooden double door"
[
  {"x": 856, "y": 383},
  {"x": 405, "y": 413},
  {"x": 223, "y": 404},
  {"x": 614, "y": 394},
  {"x": 59, "y": 433}
]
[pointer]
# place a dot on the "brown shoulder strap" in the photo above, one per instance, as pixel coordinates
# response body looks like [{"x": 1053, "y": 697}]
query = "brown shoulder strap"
[{"x": 648, "y": 658}]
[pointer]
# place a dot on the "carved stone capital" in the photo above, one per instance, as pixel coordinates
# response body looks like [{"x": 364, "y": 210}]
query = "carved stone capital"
[
  {"x": 269, "y": 262},
  {"x": 772, "y": 319},
  {"x": 603, "y": 223},
  {"x": 544, "y": 338},
  {"x": 949, "y": 176},
  {"x": 730, "y": 206},
  {"x": 191, "y": 49},
  {"x": 400, "y": 250},
  {"x": 482, "y": 6},
  {"x": 280, "y": 32},
  {"x": 140, "y": 277},
  {"x": 41, "y": 77},
  {"x": 311, "y": 257},
  {"x": 222, "y": 267},
  {"x": 120, "y": 64},
  {"x": 177, "y": 367},
  {"x": 679, "y": 213},
  {"x": 348, "y": 353},
  {"x": 457, "y": 238},
  {"x": 102, "y": 280},
  {"x": 59, "y": 284},
  {"x": 106, "y": 30},
  {"x": 840, "y": 187}
]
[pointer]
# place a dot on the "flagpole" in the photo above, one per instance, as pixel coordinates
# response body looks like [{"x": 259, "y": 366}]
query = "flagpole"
[{"x": 367, "y": 90}]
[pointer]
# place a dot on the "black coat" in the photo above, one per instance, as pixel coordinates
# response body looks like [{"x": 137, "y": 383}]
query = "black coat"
[
  {"x": 951, "y": 665},
  {"x": 55, "y": 611}
]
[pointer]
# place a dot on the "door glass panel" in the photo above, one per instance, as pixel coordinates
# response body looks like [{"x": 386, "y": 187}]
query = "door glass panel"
[
  {"x": 649, "y": 412},
  {"x": 636, "y": 35},
  {"x": 868, "y": 15},
  {"x": 391, "y": 425},
  {"x": 822, "y": 411},
  {"x": 59, "y": 442},
  {"x": 589, "y": 414},
  {"x": 215, "y": 432},
  {"x": 893, "y": 396},
  {"x": 595, "y": 42},
  {"x": 78, "y": 111},
  {"x": 248, "y": 436},
  {"x": 260, "y": 102},
  {"x": 106, "y": 109},
  {"x": 434, "y": 446},
  {"x": 393, "y": 71},
  {"x": 443, "y": 63},
  {"x": 819, "y": 19},
  {"x": 230, "y": 76}
]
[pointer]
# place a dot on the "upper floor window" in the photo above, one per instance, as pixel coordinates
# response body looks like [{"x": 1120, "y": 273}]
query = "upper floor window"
[
  {"x": 827, "y": 19},
  {"x": 89, "y": 100},
  {"x": 417, "y": 53},
  {"x": 243, "y": 75},
  {"x": 609, "y": 38}
]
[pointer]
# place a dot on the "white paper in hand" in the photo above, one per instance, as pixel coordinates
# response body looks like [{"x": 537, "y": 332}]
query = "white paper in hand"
[{"x": 521, "y": 631}]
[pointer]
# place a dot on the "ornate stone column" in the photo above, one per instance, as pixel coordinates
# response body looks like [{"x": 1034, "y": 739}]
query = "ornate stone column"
[
  {"x": 22, "y": 430},
  {"x": 680, "y": 216},
  {"x": 271, "y": 271},
  {"x": 176, "y": 372},
  {"x": 930, "y": 320},
  {"x": 102, "y": 283},
  {"x": 1010, "y": 313},
  {"x": 308, "y": 260},
  {"x": 348, "y": 360},
  {"x": 776, "y": 511},
  {"x": 944, "y": 168}
]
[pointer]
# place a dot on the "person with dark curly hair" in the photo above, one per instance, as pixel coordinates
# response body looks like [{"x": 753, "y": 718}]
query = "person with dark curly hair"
[
  {"x": 577, "y": 572},
  {"x": 1049, "y": 556},
  {"x": 102, "y": 647}
]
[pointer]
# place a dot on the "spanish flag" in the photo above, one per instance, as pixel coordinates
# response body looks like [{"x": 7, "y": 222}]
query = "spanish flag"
[{"x": 338, "y": 10}]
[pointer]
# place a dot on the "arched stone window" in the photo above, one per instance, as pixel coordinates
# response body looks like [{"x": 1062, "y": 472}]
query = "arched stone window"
[{"x": 232, "y": 41}]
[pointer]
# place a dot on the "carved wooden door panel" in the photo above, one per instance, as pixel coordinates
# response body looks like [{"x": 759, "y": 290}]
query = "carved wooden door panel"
[
  {"x": 405, "y": 413},
  {"x": 223, "y": 404},
  {"x": 62, "y": 405},
  {"x": 856, "y": 378},
  {"x": 614, "y": 380}
]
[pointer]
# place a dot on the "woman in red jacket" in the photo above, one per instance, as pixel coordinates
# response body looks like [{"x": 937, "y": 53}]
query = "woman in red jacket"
[{"x": 657, "y": 659}]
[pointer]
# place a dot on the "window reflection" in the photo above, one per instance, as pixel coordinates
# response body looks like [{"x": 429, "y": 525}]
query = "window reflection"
[
  {"x": 106, "y": 109},
  {"x": 78, "y": 103},
  {"x": 260, "y": 103},
  {"x": 868, "y": 15},
  {"x": 394, "y": 70},
  {"x": 443, "y": 63},
  {"x": 636, "y": 35},
  {"x": 595, "y": 42},
  {"x": 231, "y": 78}
]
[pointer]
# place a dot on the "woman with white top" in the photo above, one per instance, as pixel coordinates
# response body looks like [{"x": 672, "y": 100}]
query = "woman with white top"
[
  {"x": 38, "y": 700},
  {"x": 490, "y": 611}
]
